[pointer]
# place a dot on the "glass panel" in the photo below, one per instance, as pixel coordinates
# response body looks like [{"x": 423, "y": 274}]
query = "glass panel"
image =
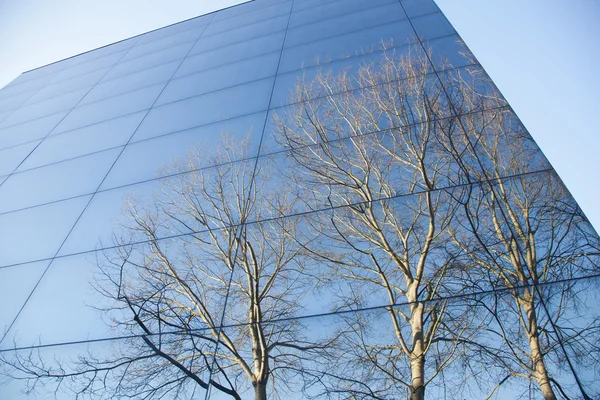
[
  {"x": 371, "y": 17},
  {"x": 17, "y": 89},
  {"x": 166, "y": 150},
  {"x": 98, "y": 137},
  {"x": 113, "y": 107},
  {"x": 164, "y": 43},
  {"x": 80, "y": 69},
  {"x": 216, "y": 106},
  {"x": 218, "y": 78},
  {"x": 285, "y": 88},
  {"x": 305, "y": 4},
  {"x": 432, "y": 26},
  {"x": 150, "y": 60},
  {"x": 101, "y": 52},
  {"x": 471, "y": 89},
  {"x": 573, "y": 307},
  {"x": 29, "y": 131},
  {"x": 233, "y": 53},
  {"x": 67, "y": 306},
  {"x": 174, "y": 29},
  {"x": 82, "y": 81},
  {"x": 44, "y": 107},
  {"x": 345, "y": 46},
  {"x": 56, "y": 182},
  {"x": 248, "y": 18},
  {"x": 415, "y": 8},
  {"x": 11, "y": 158},
  {"x": 242, "y": 8},
  {"x": 12, "y": 102},
  {"x": 131, "y": 82},
  {"x": 332, "y": 9},
  {"x": 36, "y": 233},
  {"x": 107, "y": 215},
  {"x": 240, "y": 34},
  {"x": 16, "y": 283},
  {"x": 449, "y": 52}
]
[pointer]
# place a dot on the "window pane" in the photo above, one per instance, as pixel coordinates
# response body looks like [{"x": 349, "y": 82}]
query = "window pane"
[
  {"x": 164, "y": 43},
  {"x": 144, "y": 160},
  {"x": 97, "y": 137},
  {"x": 219, "y": 78},
  {"x": 174, "y": 29},
  {"x": 228, "y": 54},
  {"x": 82, "y": 81},
  {"x": 28, "y": 131},
  {"x": 432, "y": 26},
  {"x": 216, "y": 106},
  {"x": 56, "y": 182},
  {"x": 356, "y": 21},
  {"x": 65, "y": 306},
  {"x": 415, "y": 8},
  {"x": 11, "y": 158},
  {"x": 105, "y": 215},
  {"x": 127, "y": 83},
  {"x": 80, "y": 69},
  {"x": 448, "y": 52},
  {"x": 16, "y": 283},
  {"x": 334, "y": 9},
  {"x": 12, "y": 102},
  {"x": 248, "y": 18},
  {"x": 113, "y": 107},
  {"x": 44, "y": 107},
  {"x": 240, "y": 34},
  {"x": 340, "y": 47},
  {"x": 17, "y": 89},
  {"x": 149, "y": 60},
  {"x": 45, "y": 226}
]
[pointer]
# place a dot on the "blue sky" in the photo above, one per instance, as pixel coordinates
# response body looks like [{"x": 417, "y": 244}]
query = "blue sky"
[{"x": 542, "y": 54}]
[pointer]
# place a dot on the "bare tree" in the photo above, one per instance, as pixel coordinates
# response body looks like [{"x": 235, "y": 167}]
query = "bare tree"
[
  {"x": 520, "y": 230},
  {"x": 370, "y": 148},
  {"x": 199, "y": 304}
]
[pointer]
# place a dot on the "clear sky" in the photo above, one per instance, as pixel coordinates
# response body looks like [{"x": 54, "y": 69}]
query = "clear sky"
[{"x": 542, "y": 54}]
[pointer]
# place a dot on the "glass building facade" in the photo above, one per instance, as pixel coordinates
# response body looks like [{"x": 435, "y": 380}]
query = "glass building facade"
[{"x": 141, "y": 182}]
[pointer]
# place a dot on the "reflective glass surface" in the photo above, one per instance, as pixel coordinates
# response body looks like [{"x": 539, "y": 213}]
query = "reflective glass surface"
[{"x": 332, "y": 192}]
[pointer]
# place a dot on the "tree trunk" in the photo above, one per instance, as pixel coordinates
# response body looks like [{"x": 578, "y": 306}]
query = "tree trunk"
[
  {"x": 541, "y": 373},
  {"x": 260, "y": 391},
  {"x": 417, "y": 358}
]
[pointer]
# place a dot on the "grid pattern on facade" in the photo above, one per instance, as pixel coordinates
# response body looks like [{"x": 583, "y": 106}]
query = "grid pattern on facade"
[{"x": 87, "y": 137}]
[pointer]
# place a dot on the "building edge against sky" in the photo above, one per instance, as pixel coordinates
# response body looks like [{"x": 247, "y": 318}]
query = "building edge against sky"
[{"x": 84, "y": 138}]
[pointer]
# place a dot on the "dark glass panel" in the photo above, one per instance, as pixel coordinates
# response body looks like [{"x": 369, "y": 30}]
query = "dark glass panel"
[
  {"x": 216, "y": 106},
  {"x": 113, "y": 107},
  {"x": 449, "y": 52},
  {"x": 93, "y": 138},
  {"x": 371, "y": 17},
  {"x": 415, "y": 8},
  {"x": 218, "y": 78},
  {"x": 432, "y": 25}
]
